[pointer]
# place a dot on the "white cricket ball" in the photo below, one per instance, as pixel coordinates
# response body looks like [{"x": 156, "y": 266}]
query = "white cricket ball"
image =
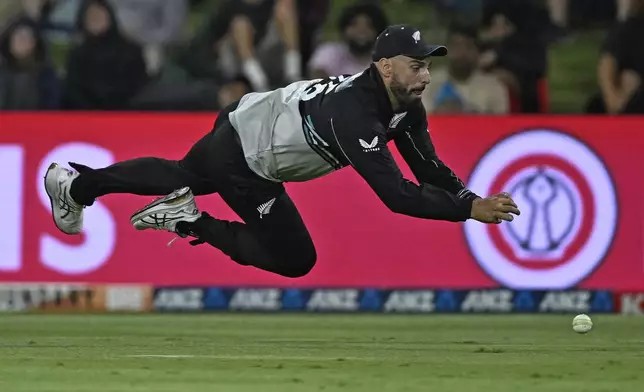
[{"x": 582, "y": 323}]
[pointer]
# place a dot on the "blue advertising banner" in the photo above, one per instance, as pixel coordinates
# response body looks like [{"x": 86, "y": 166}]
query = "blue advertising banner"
[{"x": 381, "y": 301}]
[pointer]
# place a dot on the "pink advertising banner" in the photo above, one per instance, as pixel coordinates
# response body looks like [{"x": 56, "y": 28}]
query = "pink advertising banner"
[{"x": 577, "y": 181}]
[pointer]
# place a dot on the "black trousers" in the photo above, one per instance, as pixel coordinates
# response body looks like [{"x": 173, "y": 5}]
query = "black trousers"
[{"x": 277, "y": 242}]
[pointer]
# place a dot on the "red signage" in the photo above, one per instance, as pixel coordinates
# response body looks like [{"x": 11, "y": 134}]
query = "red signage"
[{"x": 576, "y": 180}]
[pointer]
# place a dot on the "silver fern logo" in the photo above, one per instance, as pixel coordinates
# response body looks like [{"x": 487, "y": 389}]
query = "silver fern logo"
[
  {"x": 396, "y": 119},
  {"x": 265, "y": 208}
]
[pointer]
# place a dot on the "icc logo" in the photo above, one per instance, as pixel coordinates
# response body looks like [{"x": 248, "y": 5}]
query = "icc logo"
[{"x": 568, "y": 211}]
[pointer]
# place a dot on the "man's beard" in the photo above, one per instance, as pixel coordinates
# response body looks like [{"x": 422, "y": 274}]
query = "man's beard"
[{"x": 402, "y": 95}]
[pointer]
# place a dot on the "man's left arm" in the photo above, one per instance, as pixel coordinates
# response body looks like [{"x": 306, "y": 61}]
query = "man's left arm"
[{"x": 417, "y": 149}]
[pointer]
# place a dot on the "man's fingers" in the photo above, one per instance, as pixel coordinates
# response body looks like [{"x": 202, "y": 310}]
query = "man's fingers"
[
  {"x": 507, "y": 201},
  {"x": 504, "y": 216},
  {"x": 501, "y": 206},
  {"x": 509, "y": 208}
]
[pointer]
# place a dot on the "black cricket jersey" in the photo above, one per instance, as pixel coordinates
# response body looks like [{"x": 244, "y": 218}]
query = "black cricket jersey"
[{"x": 311, "y": 128}]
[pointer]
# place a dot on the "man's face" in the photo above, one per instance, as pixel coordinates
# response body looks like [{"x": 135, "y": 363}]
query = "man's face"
[
  {"x": 463, "y": 55},
  {"x": 360, "y": 35},
  {"x": 23, "y": 43},
  {"x": 97, "y": 19},
  {"x": 408, "y": 79}
]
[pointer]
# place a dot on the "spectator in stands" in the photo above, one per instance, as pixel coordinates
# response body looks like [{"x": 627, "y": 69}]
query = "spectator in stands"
[
  {"x": 311, "y": 17},
  {"x": 28, "y": 81},
  {"x": 621, "y": 67},
  {"x": 190, "y": 95},
  {"x": 248, "y": 35},
  {"x": 558, "y": 11},
  {"x": 464, "y": 11},
  {"x": 233, "y": 91},
  {"x": 105, "y": 70},
  {"x": 462, "y": 87},
  {"x": 153, "y": 24},
  {"x": 359, "y": 27},
  {"x": 516, "y": 51}
]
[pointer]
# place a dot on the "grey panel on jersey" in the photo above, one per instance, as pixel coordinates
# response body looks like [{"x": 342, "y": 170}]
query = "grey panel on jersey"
[{"x": 270, "y": 128}]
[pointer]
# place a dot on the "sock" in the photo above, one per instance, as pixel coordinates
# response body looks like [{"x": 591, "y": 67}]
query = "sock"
[
  {"x": 255, "y": 74},
  {"x": 292, "y": 65},
  {"x": 77, "y": 191}
]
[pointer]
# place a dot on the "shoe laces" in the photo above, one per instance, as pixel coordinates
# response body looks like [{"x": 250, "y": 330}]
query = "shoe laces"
[
  {"x": 179, "y": 235},
  {"x": 172, "y": 241},
  {"x": 194, "y": 242},
  {"x": 66, "y": 204}
]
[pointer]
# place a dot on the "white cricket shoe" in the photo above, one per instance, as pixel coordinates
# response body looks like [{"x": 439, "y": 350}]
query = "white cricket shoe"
[
  {"x": 68, "y": 215},
  {"x": 164, "y": 213}
]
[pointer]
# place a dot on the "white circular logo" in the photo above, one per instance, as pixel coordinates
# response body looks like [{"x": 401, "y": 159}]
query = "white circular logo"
[{"x": 568, "y": 211}]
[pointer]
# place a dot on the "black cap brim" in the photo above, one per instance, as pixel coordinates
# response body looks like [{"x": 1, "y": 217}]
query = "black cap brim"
[{"x": 429, "y": 51}]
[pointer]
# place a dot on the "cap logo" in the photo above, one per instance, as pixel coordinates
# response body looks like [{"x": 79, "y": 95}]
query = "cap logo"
[{"x": 416, "y": 36}]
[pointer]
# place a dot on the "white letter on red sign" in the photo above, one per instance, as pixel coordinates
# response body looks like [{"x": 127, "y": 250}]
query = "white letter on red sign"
[{"x": 11, "y": 209}]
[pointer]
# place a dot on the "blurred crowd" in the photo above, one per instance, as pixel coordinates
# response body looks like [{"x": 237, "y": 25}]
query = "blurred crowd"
[{"x": 140, "y": 55}]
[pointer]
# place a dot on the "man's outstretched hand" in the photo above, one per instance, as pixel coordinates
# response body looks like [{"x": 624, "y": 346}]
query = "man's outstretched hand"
[{"x": 494, "y": 209}]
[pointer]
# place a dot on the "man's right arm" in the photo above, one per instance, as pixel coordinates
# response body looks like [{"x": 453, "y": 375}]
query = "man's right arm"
[{"x": 362, "y": 141}]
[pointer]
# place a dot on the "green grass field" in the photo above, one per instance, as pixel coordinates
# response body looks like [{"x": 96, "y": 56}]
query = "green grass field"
[{"x": 224, "y": 352}]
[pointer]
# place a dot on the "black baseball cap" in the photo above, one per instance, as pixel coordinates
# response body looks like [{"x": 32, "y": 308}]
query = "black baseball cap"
[{"x": 404, "y": 40}]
